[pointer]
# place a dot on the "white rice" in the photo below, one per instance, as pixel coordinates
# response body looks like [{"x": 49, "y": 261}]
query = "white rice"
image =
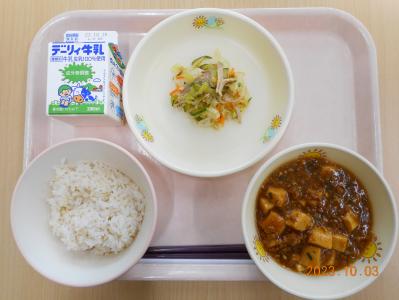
[{"x": 94, "y": 207}]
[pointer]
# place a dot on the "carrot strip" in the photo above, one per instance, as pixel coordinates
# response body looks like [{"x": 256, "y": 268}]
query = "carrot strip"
[
  {"x": 229, "y": 106},
  {"x": 176, "y": 91},
  {"x": 221, "y": 119}
]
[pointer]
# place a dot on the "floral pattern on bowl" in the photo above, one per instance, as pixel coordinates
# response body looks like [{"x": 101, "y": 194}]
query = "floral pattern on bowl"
[
  {"x": 143, "y": 128},
  {"x": 314, "y": 153},
  {"x": 260, "y": 250},
  {"x": 207, "y": 22},
  {"x": 271, "y": 131}
]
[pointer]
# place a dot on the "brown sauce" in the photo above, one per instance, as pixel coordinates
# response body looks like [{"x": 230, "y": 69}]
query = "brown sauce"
[{"x": 312, "y": 212}]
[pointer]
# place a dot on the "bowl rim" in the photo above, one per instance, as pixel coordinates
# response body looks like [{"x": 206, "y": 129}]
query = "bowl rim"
[
  {"x": 306, "y": 146},
  {"x": 284, "y": 60},
  {"x": 147, "y": 241}
]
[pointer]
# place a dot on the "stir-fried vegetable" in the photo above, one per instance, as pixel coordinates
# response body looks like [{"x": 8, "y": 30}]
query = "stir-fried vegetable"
[{"x": 210, "y": 91}]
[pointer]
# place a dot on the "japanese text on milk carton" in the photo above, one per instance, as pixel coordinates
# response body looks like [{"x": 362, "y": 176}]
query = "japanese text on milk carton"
[{"x": 84, "y": 78}]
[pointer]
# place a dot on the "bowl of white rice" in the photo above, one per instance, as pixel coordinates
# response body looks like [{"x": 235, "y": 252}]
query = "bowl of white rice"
[{"x": 83, "y": 212}]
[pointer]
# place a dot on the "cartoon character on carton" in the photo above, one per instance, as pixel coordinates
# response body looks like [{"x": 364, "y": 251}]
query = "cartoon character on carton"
[
  {"x": 77, "y": 97},
  {"x": 65, "y": 91},
  {"x": 86, "y": 94},
  {"x": 82, "y": 94}
]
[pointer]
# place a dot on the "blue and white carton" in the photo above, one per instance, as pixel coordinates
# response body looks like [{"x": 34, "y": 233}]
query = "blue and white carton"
[{"x": 85, "y": 78}]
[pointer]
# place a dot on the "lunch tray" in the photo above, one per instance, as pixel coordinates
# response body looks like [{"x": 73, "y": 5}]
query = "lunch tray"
[{"x": 333, "y": 59}]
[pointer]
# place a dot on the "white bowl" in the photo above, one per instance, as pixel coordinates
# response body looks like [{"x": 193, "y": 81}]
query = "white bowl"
[
  {"x": 30, "y": 216},
  {"x": 385, "y": 227},
  {"x": 167, "y": 133}
]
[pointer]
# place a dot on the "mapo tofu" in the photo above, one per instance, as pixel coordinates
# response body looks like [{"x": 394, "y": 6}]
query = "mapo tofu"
[{"x": 312, "y": 212}]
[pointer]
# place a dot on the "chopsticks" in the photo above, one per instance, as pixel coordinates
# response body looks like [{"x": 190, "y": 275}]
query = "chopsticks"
[{"x": 231, "y": 251}]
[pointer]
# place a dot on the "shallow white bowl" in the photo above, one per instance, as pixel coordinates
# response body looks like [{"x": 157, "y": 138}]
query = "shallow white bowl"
[
  {"x": 170, "y": 135},
  {"x": 30, "y": 216},
  {"x": 385, "y": 227}
]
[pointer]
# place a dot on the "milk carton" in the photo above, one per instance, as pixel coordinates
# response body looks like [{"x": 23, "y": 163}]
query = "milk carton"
[{"x": 85, "y": 78}]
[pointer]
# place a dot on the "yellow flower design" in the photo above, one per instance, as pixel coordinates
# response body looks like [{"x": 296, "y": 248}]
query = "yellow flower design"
[
  {"x": 276, "y": 122},
  {"x": 200, "y": 22},
  {"x": 271, "y": 131},
  {"x": 314, "y": 153},
  {"x": 147, "y": 136},
  {"x": 260, "y": 251},
  {"x": 371, "y": 252},
  {"x": 143, "y": 128}
]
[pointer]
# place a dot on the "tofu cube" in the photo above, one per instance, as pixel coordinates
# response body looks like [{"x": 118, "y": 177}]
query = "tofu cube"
[
  {"x": 351, "y": 220},
  {"x": 311, "y": 257},
  {"x": 274, "y": 223},
  {"x": 328, "y": 171},
  {"x": 322, "y": 237},
  {"x": 339, "y": 242},
  {"x": 265, "y": 205},
  {"x": 299, "y": 220},
  {"x": 279, "y": 196},
  {"x": 330, "y": 259}
]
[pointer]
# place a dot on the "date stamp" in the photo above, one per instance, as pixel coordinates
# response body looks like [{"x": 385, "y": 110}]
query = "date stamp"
[{"x": 348, "y": 271}]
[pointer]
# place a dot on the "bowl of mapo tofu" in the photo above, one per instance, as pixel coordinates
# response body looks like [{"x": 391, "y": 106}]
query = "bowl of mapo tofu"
[{"x": 319, "y": 221}]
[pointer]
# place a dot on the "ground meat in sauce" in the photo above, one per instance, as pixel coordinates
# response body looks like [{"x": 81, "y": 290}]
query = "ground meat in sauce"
[{"x": 313, "y": 212}]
